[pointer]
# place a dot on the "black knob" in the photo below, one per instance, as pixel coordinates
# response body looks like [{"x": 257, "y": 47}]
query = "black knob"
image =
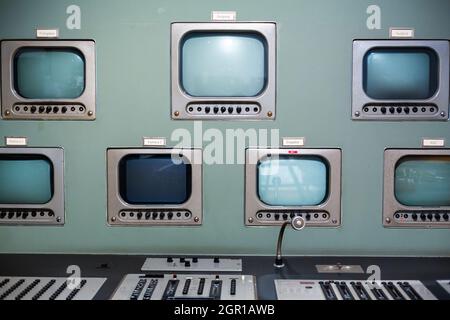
[
  {"x": 391, "y": 109},
  {"x": 445, "y": 216},
  {"x": 415, "y": 109},
  {"x": 292, "y": 215},
  {"x": 437, "y": 216},
  {"x": 25, "y": 215},
  {"x": 238, "y": 109},
  {"x": 55, "y": 109},
  {"x": 169, "y": 259},
  {"x": 147, "y": 215},
  {"x": 182, "y": 260},
  {"x": 285, "y": 216},
  {"x": 216, "y": 109},
  {"x": 187, "y": 263},
  {"x": 64, "y": 109},
  {"x": 195, "y": 260},
  {"x": 230, "y": 110},
  {"x": 430, "y": 216},
  {"x": 207, "y": 109},
  {"x": 399, "y": 110},
  {"x": 406, "y": 110},
  {"x": 383, "y": 110},
  {"x": 139, "y": 215},
  {"x": 276, "y": 216},
  {"x": 223, "y": 109},
  {"x": 162, "y": 215},
  {"x": 2, "y": 214},
  {"x": 422, "y": 217},
  {"x": 48, "y": 109},
  {"x": 170, "y": 215},
  {"x": 33, "y": 109},
  {"x": 41, "y": 109},
  {"x": 308, "y": 217},
  {"x": 216, "y": 259},
  {"x": 154, "y": 215}
]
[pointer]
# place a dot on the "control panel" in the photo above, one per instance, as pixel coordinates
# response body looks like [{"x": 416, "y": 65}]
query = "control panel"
[
  {"x": 185, "y": 287},
  {"x": 445, "y": 284},
  {"x": 222, "y": 110},
  {"x": 48, "y": 288},
  {"x": 352, "y": 290},
  {"x": 22, "y": 216},
  {"x": 192, "y": 264}
]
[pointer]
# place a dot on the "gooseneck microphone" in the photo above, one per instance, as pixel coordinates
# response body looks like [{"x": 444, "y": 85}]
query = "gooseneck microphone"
[{"x": 297, "y": 223}]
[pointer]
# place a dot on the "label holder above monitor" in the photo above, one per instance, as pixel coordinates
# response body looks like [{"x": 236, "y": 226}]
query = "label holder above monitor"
[
  {"x": 259, "y": 107},
  {"x": 434, "y": 108}
]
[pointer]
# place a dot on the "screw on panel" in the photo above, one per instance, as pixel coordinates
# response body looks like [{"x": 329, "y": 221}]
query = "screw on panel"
[
  {"x": 196, "y": 219},
  {"x": 113, "y": 219},
  {"x": 176, "y": 113},
  {"x": 250, "y": 220},
  {"x": 7, "y": 113},
  {"x": 269, "y": 114},
  {"x": 357, "y": 114},
  {"x": 442, "y": 114},
  {"x": 388, "y": 220},
  {"x": 334, "y": 221},
  {"x": 58, "y": 219},
  {"x": 90, "y": 113}
]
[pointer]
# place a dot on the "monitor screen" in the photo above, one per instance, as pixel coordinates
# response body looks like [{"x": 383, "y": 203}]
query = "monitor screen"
[
  {"x": 49, "y": 73},
  {"x": 25, "y": 179},
  {"x": 154, "y": 179},
  {"x": 293, "y": 181},
  {"x": 400, "y": 73},
  {"x": 223, "y": 64},
  {"x": 423, "y": 181}
]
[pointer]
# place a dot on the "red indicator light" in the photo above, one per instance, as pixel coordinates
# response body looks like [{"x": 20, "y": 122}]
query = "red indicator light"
[{"x": 293, "y": 151}]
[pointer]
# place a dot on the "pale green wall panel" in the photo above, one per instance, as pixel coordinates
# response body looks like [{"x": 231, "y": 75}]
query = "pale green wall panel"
[{"x": 313, "y": 100}]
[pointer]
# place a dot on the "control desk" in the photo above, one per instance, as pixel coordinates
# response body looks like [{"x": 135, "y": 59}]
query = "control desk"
[{"x": 245, "y": 278}]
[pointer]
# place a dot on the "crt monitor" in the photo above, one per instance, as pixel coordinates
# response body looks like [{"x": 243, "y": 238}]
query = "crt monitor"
[
  {"x": 31, "y": 186},
  {"x": 223, "y": 70},
  {"x": 154, "y": 187},
  {"x": 284, "y": 183},
  {"x": 416, "y": 188},
  {"x": 48, "y": 79},
  {"x": 400, "y": 79}
]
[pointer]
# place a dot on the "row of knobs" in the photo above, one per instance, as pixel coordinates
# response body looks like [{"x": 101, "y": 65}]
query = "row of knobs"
[{"x": 187, "y": 263}]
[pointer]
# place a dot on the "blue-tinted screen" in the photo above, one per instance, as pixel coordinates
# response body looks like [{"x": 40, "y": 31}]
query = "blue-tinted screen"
[
  {"x": 223, "y": 64},
  {"x": 400, "y": 73},
  {"x": 293, "y": 181},
  {"x": 49, "y": 73},
  {"x": 423, "y": 181},
  {"x": 25, "y": 179},
  {"x": 154, "y": 179}
]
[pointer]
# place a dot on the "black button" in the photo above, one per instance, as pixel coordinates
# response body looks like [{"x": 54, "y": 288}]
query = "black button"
[
  {"x": 207, "y": 109},
  {"x": 238, "y": 109},
  {"x": 415, "y": 109},
  {"x": 187, "y": 264},
  {"x": 139, "y": 215},
  {"x": 182, "y": 260},
  {"x": 399, "y": 110},
  {"x": 223, "y": 109},
  {"x": 216, "y": 109},
  {"x": 154, "y": 215},
  {"x": 169, "y": 259},
  {"x": 33, "y": 109},
  {"x": 406, "y": 110},
  {"x": 437, "y": 216},
  {"x": 391, "y": 109},
  {"x": 41, "y": 109},
  {"x": 48, "y": 109},
  {"x": 308, "y": 217},
  {"x": 195, "y": 260},
  {"x": 162, "y": 215},
  {"x": 276, "y": 216},
  {"x": 445, "y": 216},
  {"x": 216, "y": 260},
  {"x": 170, "y": 215},
  {"x": 430, "y": 216},
  {"x": 414, "y": 216},
  {"x": 383, "y": 110},
  {"x": 55, "y": 109},
  {"x": 64, "y": 109},
  {"x": 230, "y": 110},
  {"x": 285, "y": 216},
  {"x": 422, "y": 216},
  {"x": 147, "y": 215}
]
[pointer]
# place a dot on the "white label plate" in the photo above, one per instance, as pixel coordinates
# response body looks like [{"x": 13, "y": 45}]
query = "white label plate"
[
  {"x": 401, "y": 33},
  {"x": 16, "y": 141},
  {"x": 153, "y": 142},
  {"x": 47, "y": 33},
  {"x": 223, "y": 15},
  {"x": 433, "y": 143},
  {"x": 293, "y": 141}
]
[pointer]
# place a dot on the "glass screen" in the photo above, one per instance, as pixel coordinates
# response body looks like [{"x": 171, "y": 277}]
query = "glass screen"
[
  {"x": 400, "y": 73},
  {"x": 293, "y": 181},
  {"x": 223, "y": 64},
  {"x": 154, "y": 179},
  {"x": 25, "y": 179},
  {"x": 423, "y": 181},
  {"x": 49, "y": 73}
]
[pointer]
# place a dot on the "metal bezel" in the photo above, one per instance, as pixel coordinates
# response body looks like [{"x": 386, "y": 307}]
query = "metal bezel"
[
  {"x": 266, "y": 99},
  {"x": 440, "y": 99},
  {"x": 390, "y": 203},
  {"x": 116, "y": 204},
  {"x": 10, "y": 97},
  {"x": 56, "y": 204},
  {"x": 332, "y": 204}
]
